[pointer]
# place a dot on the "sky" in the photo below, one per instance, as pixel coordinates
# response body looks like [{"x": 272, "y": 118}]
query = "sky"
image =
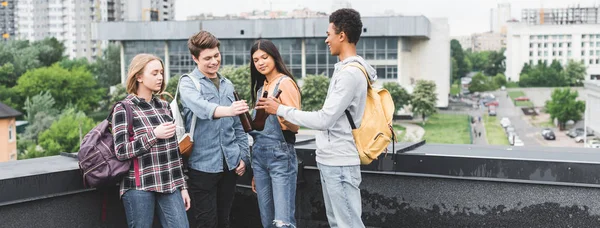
[{"x": 465, "y": 17}]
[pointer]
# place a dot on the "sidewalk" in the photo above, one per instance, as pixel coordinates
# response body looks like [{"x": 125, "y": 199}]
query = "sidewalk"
[
  {"x": 413, "y": 132},
  {"x": 479, "y": 127}
]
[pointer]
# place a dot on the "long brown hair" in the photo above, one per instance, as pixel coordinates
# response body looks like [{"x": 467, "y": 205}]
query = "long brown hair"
[
  {"x": 258, "y": 79},
  {"x": 137, "y": 67}
]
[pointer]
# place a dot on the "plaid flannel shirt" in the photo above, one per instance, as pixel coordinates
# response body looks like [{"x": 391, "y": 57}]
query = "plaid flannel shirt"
[{"x": 160, "y": 164}]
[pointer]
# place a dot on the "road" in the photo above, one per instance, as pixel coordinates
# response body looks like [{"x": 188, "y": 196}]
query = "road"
[{"x": 524, "y": 129}]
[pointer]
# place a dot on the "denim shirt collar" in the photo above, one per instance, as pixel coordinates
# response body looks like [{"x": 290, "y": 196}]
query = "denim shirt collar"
[{"x": 197, "y": 73}]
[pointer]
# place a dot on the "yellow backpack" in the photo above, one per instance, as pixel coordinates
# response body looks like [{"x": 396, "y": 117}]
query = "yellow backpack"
[{"x": 376, "y": 132}]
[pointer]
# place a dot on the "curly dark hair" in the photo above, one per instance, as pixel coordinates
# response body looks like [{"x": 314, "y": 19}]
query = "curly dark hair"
[{"x": 348, "y": 21}]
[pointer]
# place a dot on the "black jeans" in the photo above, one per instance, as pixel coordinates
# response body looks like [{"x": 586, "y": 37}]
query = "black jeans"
[{"x": 212, "y": 197}]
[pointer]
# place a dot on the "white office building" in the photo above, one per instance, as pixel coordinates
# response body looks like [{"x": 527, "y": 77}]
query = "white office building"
[
  {"x": 402, "y": 49},
  {"x": 527, "y": 43}
]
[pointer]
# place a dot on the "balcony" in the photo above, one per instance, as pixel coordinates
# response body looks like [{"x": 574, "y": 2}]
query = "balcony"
[{"x": 417, "y": 186}]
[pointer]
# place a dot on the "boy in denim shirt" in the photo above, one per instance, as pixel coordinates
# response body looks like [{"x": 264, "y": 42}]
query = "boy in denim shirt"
[{"x": 221, "y": 150}]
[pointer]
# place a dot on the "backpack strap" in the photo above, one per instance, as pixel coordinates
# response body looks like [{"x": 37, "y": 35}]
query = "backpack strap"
[
  {"x": 361, "y": 68},
  {"x": 129, "y": 116},
  {"x": 197, "y": 84}
]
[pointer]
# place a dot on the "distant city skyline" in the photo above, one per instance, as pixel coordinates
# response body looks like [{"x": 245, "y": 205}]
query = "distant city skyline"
[{"x": 465, "y": 16}]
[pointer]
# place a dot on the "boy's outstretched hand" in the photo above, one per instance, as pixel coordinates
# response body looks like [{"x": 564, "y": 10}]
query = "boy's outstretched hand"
[{"x": 270, "y": 105}]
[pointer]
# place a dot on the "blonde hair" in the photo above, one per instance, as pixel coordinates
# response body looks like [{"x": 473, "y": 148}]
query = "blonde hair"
[{"x": 137, "y": 67}]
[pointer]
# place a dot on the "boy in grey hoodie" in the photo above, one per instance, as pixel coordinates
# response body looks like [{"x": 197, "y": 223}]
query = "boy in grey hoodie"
[{"x": 337, "y": 156}]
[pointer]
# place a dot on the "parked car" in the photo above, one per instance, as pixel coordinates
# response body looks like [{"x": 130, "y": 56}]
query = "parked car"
[
  {"x": 574, "y": 132},
  {"x": 505, "y": 122},
  {"x": 522, "y": 99},
  {"x": 548, "y": 134},
  {"x": 492, "y": 110},
  {"x": 595, "y": 143},
  {"x": 503, "y": 88},
  {"x": 491, "y": 103}
]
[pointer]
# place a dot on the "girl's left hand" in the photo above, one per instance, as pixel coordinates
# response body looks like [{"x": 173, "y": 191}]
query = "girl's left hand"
[{"x": 186, "y": 199}]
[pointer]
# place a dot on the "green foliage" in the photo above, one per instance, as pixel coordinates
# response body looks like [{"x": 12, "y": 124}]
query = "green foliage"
[
  {"x": 50, "y": 51},
  {"x": 171, "y": 85},
  {"x": 314, "y": 92},
  {"x": 424, "y": 99},
  {"x": 495, "y": 63},
  {"x": 71, "y": 64},
  {"x": 481, "y": 83},
  {"x": 107, "y": 69},
  {"x": 457, "y": 53},
  {"x": 500, "y": 80},
  {"x": 9, "y": 97},
  {"x": 65, "y": 134},
  {"x": 40, "y": 113},
  {"x": 542, "y": 75},
  {"x": 240, "y": 77},
  {"x": 76, "y": 86},
  {"x": 564, "y": 106},
  {"x": 400, "y": 95},
  {"x": 575, "y": 73}
]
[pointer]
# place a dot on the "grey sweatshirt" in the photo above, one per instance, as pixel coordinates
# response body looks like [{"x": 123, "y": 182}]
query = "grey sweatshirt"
[{"x": 347, "y": 90}]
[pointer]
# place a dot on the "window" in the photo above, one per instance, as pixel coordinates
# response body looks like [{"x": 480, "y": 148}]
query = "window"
[
  {"x": 530, "y": 53},
  {"x": 539, "y": 53},
  {"x": 545, "y": 37},
  {"x": 582, "y": 53},
  {"x": 545, "y": 45},
  {"x": 591, "y": 61},
  {"x": 560, "y": 45},
  {"x": 591, "y": 44},
  {"x": 546, "y": 53},
  {"x": 554, "y": 45},
  {"x": 11, "y": 132},
  {"x": 569, "y": 44},
  {"x": 553, "y": 53},
  {"x": 530, "y": 45},
  {"x": 560, "y": 53},
  {"x": 539, "y": 45},
  {"x": 591, "y": 53},
  {"x": 569, "y": 53}
]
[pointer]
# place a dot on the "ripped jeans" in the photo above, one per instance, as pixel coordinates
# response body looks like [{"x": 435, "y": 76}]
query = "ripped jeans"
[{"x": 275, "y": 172}]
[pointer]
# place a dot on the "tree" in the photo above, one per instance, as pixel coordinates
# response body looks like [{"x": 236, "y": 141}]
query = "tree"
[
  {"x": 400, "y": 95},
  {"x": 7, "y": 74},
  {"x": 40, "y": 113},
  {"x": 314, "y": 92},
  {"x": 120, "y": 92},
  {"x": 496, "y": 63},
  {"x": 50, "y": 50},
  {"x": 456, "y": 52},
  {"x": 454, "y": 69},
  {"x": 76, "y": 86},
  {"x": 65, "y": 134},
  {"x": 500, "y": 80},
  {"x": 9, "y": 97},
  {"x": 240, "y": 77},
  {"x": 424, "y": 99},
  {"x": 478, "y": 59},
  {"x": 575, "y": 73},
  {"x": 479, "y": 83},
  {"x": 526, "y": 68},
  {"x": 107, "y": 69},
  {"x": 43, "y": 102},
  {"x": 70, "y": 64},
  {"x": 564, "y": 106}
]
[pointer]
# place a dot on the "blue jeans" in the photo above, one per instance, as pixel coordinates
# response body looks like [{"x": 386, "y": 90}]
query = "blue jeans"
[
  {"x": 140, "y": 207},
  {"x": 275, "y": 169},
  {"x": 342, "y": 195}
]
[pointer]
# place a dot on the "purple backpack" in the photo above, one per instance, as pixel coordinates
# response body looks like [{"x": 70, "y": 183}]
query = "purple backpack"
[{"x": 97, "y": 156}]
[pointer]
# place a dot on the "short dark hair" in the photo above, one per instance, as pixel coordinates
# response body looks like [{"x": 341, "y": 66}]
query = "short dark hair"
[
  {"x": 347, "y": 21},
  {"x": 200, "y": 41}
]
